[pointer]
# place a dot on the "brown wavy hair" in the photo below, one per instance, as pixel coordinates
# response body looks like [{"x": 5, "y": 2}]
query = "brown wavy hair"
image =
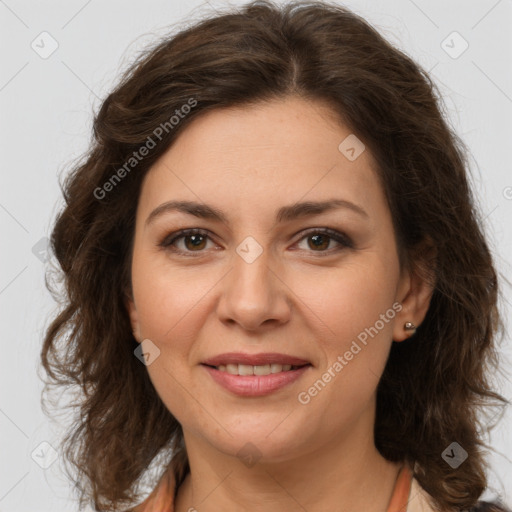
[{"x": 434, "y": 386}]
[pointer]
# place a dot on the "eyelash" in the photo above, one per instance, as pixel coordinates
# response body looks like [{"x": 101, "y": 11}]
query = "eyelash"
[{"x": 341, "y": 238}]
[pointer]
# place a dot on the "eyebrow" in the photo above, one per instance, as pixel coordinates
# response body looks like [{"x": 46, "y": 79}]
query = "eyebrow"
[{"x": 284, "y": 214}]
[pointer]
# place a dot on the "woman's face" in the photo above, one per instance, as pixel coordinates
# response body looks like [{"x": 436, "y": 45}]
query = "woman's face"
[{"x": 264, "y": 282}]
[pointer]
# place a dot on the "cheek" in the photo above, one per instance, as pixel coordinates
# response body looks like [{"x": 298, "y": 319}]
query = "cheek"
[
  {"x": 167, "y": 311},
  {"x": 351, "y": 298},
  {"x": 354, "y": 311},
  {"x": 167, "y": 296}
]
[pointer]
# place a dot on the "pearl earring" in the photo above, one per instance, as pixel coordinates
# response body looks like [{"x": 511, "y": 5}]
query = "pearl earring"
[{"x": 409, "y": 326}]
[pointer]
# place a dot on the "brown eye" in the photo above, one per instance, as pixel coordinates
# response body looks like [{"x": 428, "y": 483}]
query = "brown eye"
[
  {"x": 194, "y": 240},
  {"x": 320, "y": 239}
]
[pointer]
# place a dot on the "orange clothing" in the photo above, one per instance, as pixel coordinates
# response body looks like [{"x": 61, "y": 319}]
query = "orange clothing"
[
  {"x": 162, "y": 498},
  {"x": 401, "y": 492}
]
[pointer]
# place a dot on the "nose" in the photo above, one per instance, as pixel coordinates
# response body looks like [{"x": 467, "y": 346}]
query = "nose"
[{"x": 254, "y": 295}]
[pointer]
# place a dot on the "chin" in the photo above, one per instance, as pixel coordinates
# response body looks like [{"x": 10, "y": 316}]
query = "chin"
[{"x": 262, "y": 440}]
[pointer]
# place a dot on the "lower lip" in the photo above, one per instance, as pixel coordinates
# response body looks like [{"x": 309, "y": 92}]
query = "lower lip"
[{"x": 255, "y": 385}]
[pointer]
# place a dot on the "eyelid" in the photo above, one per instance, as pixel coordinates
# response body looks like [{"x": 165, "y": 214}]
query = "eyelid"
[
  {"x": 343, "y": 240},
  {"x": 338, "y": 236}
]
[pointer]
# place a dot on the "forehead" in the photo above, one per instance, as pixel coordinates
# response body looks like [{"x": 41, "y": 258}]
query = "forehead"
[{"x": 263, "y": 155}]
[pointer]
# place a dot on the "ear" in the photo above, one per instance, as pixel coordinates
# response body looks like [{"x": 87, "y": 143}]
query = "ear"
[
  {"x": 134, "y": 319},
  {"x": 415, "y": 289}
]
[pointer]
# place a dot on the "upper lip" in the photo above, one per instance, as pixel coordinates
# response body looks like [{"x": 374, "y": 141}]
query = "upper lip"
[{"x": 254, "y": 359}]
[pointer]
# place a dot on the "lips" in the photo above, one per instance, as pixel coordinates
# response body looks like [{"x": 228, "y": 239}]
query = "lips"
[
  {"x": 255, "y": 375},
  {"x": 255, "y": 359}
]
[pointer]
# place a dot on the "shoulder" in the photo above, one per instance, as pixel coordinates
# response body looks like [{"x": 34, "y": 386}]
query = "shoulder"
[
  {"x": 161, "y": 498},
  {"x": 421, "y": 501}
]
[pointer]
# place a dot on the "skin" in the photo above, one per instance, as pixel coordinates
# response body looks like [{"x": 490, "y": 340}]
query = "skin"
[{"x": 291, "y": 299}]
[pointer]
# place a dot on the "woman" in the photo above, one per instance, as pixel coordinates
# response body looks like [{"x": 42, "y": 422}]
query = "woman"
[{"x": 276, "y": 277}]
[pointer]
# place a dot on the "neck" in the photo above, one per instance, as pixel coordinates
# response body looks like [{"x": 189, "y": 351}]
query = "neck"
[{"x": 342, "y": 475}]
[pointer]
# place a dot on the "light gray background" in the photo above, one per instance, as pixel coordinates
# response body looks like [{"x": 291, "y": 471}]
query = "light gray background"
[{"x": 46, "y": 111}]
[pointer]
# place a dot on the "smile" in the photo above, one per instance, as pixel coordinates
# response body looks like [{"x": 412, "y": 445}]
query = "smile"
[
  {"x": 247, "y": 369},
  {"x": 255, "y": 381}
]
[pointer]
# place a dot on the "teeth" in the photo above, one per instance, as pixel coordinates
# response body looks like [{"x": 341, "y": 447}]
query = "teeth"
[
  {"x": 247, "y": 369},
  {"x": 232, "y": 369}
]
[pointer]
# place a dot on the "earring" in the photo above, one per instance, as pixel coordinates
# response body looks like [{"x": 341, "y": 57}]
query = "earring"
[{"x": 409, "y": 326}]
